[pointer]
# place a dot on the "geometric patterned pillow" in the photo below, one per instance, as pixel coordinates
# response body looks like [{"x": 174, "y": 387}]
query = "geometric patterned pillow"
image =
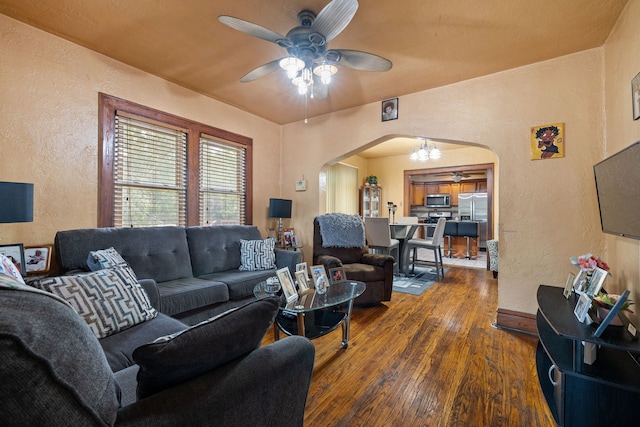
[
  {"x": 257, "y": 254},
  {"x": 109, "y": 300},
  {"x": 105, "y": 258}
]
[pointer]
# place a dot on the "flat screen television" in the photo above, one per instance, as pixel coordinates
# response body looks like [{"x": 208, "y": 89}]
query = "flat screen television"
[{"x": 618, "y": 190}]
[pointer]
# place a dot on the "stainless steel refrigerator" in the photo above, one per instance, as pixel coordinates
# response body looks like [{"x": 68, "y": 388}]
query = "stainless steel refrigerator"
[{"x": 474, "y": 207}]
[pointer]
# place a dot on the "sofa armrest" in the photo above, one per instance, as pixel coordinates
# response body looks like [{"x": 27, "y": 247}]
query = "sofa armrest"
[
  {"x": 247, "y": 391},
  {"x": 285, "y": 258},
  {"x": 151, "y": 287},
  {"x": 328, "y": 261},
  {"x": 378, "y": 260}
]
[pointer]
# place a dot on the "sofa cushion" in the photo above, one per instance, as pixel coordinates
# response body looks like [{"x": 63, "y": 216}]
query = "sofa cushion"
[
  {"x": 105, "y": 258},
  {"x": 176, "y": 358},
  {"x": 109, "y": 300},
  {"x": 53, "y": 370},
  {"x": 257, "y": 254},
  {"x": 182, "y": 295},
  {"x": 8, "y": 268}
]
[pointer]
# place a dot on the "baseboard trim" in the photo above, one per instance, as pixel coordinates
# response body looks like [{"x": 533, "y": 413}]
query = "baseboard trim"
[{"x": 516, "y": 321}]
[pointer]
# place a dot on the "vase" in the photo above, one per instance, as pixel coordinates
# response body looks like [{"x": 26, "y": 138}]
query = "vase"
[{"x": 604, "y": 312}]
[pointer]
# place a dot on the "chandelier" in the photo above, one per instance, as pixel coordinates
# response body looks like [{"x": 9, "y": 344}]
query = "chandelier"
[
  {"x": 425, "y": 151},
  {"x": 301, "y": 75}
]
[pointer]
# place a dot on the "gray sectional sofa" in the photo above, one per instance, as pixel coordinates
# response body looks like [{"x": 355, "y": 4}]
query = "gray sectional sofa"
[{"x": 189, "y": 273}]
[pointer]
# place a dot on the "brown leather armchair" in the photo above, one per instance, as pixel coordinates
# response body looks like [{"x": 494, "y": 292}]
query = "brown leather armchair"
[{"x": 375, "y": 270}]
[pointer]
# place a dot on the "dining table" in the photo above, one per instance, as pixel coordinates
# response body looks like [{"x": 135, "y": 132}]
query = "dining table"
[{"x": 404, "y": 232}]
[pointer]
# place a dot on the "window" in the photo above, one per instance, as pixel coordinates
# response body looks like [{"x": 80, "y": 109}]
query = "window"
[
  {"x": 158, "y": 169},
  {"x": 342, "y": 189}
]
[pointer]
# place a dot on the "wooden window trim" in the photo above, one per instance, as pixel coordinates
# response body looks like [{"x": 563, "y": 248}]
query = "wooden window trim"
[{"x": 109, "y": 105}]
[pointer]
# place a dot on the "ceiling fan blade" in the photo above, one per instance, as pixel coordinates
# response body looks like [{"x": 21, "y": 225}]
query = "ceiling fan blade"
[
  {"x": 334, "y": 17},
  {"x": 319, "y": 89},
  {"x": 359, "y": 60},
  {"x": 251, "y": 28},
  {"x": 261, "y": 71}
]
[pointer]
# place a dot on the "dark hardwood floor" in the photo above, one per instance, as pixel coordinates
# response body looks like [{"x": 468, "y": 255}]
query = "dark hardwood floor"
[{"x": 430, "y": 360}]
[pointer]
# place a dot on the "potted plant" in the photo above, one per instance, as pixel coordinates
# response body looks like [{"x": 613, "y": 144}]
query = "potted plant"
[{"x": 372, "y": 180}]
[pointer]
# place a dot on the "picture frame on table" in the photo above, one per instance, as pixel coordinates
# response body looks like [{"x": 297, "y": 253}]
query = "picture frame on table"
[
  {"x": 568, "y": 286},
  {"x": 15, "y": 253},
  {"x": 635, "y": 96},
  {"x": 582, "y": 307},
  {"x": 288, "y": 287},
  {"x": 302, "y": 266},
  {"x": 597, "y": 279},
  {"x": 38, "y": 259},
  {"x": 337, "y": 275},
  {"x": 580, "y": 282},
  {"x": 612, "y": 313},
  {"x": 301, "y": 279},
  {"x": 320, "y": 279},
  {"x": 289, "y": 236}
]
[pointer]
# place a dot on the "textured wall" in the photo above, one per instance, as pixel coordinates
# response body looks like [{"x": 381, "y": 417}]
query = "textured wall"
[
  {"x": 547, "y": 209},
  {"x": 49, "y": 127}
]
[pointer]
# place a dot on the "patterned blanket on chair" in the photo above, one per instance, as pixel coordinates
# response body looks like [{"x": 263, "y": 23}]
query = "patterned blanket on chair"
[{"x": 341, "y": 230}]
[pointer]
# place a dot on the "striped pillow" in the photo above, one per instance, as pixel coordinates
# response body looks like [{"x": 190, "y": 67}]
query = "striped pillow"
[
  {"x": 105, "y": 258},
  {"x": 257, "y": 254},
  {"x": 110, "y": 300}
]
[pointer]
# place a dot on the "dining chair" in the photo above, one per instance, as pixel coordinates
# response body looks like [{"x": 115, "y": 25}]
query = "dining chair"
[
  {"x": 378, "y": 236},
  {"x": 434, "y": 244}
]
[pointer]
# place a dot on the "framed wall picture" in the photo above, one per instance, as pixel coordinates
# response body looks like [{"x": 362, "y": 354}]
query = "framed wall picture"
[
  {"x": 38, "y": 259},
  {"x": 286, "y": 281},
  {"x": 15, "y": 253},
  {"x": 582, "y": 307},
  {"x": 337, "y": 275},
  {"x": 547, "y": 141},
  {"x": 568, "y": 286},
  {"x": 390, "y": 109},
  {"x": 320, "y": 280},
  {"x": 635, "y": 96}
]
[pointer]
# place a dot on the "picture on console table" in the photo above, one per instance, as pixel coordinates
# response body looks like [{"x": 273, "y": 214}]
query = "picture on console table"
[
  {"x": 612, "y": 313},
  {"x": 288, "y": 288},
  {"x": 582, "y": 307},
  {"x": 568, "y": 286},
  {"x": 580, "y": 282},
  {"x": 38, "y": 259},
  {"x": 596, "y": 281},
  {"x": 15, "y": 253}
]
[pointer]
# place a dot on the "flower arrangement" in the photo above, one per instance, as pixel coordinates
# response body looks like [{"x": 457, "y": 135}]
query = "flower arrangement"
[
  {"x": 609, "y": 300},
  {"x": 588, "y": 263}
]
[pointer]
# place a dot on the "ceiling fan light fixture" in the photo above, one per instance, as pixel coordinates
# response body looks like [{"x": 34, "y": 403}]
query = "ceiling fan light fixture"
[
  {"x": 291, "y": 65},
  {"x": 325, "y": 71}
]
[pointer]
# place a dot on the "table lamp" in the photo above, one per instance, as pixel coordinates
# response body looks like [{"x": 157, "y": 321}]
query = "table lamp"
[
  {"x": 16, "y": 202},
  {"x": 279, "y": 208}
]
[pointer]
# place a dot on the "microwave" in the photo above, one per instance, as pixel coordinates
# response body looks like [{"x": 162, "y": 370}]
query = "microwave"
[{"x": 438, "y": 200}]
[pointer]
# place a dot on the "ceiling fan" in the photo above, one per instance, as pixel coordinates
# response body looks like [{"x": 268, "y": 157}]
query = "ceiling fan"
[
  {"x": 459, "y": 176},
  {"x": 309, "y": 58}
]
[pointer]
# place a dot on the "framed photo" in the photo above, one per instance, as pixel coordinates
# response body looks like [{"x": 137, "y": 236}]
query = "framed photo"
[
  {"x": 15, "y": 253},
  {"x": 612, "y": 313},
  {"x": 337, "y": 275},
  {"x": 301, "y": 278},
  {"x": 582, "y": 307},
  {"x": 580, "y": 282},
  {"x": 286, "y": 281},
  {"x": 568, "y": 286},
  {"x": 320, "y": 280},
  {"x": 635, "y": 96},
  {"x": 289, "y": 236},
  {"x": 390, "y": 109},
  {"x": 302, "y": 266},
  {"x": 37, "y": 259},
  {"x": 597, "y": 279}
]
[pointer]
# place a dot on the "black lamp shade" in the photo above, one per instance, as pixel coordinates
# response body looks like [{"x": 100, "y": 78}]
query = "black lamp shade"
[
  {"x": 279, "y": 208},
  {"x": 16, "y": 202}
]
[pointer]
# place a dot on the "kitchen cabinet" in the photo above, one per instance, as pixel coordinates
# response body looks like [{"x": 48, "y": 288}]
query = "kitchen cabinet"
[
  {"x": 606, "y": 392},
  {"x": 469, "y": 187},
  {"x": 418, "y": 191},
  {"x": 370, "y": 199}
]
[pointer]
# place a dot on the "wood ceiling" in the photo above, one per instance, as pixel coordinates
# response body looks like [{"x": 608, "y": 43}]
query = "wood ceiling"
[{"x": 431, "y": 43}]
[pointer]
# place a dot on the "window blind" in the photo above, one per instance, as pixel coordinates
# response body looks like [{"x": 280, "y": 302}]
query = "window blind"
[
  {"x": 150, "y": 174},
  {"x": 223, "y": 170}
]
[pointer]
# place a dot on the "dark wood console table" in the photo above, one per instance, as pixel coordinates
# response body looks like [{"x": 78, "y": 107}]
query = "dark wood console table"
[{"x": 604, "y": 393}]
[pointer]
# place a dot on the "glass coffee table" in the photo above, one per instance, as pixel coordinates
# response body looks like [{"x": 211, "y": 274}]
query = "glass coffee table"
[{"x": 314, "y": 315}]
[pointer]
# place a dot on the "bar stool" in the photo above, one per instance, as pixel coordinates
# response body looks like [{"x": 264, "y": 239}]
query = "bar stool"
[
  {"x": 468, "y": 230},
  {"x": 450, "y": 230}
]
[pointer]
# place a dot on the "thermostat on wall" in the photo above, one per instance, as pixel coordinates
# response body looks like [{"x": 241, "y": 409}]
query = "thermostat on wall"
[{"x": 301, "y": 185}]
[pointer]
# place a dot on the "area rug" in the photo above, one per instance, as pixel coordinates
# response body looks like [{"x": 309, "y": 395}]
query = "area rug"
[{"x": 416, "y": 284}]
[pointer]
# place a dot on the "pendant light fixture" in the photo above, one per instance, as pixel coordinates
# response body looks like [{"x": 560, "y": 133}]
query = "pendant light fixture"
[{"x": 425, "y": 151}]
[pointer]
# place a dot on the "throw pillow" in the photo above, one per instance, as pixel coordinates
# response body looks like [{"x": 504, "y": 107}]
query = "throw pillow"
[
  {"x": 257, "y": 254},
  {"x": 8, "y": 268},
  {"x": 105, "y": 258},
  {"x": 179, "y": 357},
  {"x": 110, "y": 300}
]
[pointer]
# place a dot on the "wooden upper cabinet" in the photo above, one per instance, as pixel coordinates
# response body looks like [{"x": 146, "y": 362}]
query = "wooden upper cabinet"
[
  {"x": 444, "y": 189},
  {"x": 469, "y": 187},
  {"x": 418, "y": 191},
  {"x": 431, "y": 188},
  {"x": 455, "y": 190},
  {"x": 481, "y": 187}
]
